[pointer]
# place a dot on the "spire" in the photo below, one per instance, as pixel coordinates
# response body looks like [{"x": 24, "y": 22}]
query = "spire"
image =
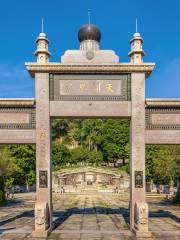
[
  {"x": 42, "y": 25},
  {"x": 42, "y": 34},
  {"x": 89, "y": 16},
  {"x": 42, "y": 52},
  {"x": 136, "y": 54},
  {"x": 136, "y": 25}
]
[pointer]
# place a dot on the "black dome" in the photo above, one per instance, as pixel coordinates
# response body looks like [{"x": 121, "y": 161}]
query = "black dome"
[{"x": 89, "y": 32}]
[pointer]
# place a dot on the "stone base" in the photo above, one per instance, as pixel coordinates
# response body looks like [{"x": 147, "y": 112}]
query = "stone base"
[
  {"x": 41, "y": 233},
  {"x": 142, "y": 235}
]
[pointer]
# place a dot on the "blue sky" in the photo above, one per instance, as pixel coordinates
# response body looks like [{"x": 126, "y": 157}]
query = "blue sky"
[{"x": 159, "y": 25}]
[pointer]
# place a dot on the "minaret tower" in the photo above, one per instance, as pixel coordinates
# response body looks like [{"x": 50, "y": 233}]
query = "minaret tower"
[
  {"x": 136, "y": 54},
  {"x": 42, "y": 52}
]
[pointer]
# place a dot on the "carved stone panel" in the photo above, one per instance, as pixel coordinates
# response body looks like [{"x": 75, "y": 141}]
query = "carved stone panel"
[
  {"x": 17, "y": 118},
  {"x": 162, "y": 118},
  {"x": 43, "y": 181},
  {"x": 138, "y": 179},
  {"x": 85, "y": 87},
  {"x": 166, "y": 119}
]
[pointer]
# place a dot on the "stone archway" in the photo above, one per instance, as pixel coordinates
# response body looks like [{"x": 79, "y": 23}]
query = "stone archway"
[{"x": 90, "y": 83}]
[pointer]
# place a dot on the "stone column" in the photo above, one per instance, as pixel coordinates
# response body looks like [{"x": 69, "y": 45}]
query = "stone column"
[
  {"x": 43, "y": 205},
  {"x": 138, "y": 206}
]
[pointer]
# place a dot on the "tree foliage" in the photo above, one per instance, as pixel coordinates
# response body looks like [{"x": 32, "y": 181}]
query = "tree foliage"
[
  {"x": 60, "y": 155},
  {"x": 24, "y": 159},
  {"x": 161, "y": 164},
  {"x": 6, "y": 170},
  {"x": 90, "y": 142}
]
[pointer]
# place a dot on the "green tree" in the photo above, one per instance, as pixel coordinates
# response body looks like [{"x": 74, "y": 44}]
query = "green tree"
[
  {"x": 6, "y": 169},
  {"x": 60, "y": 128},
  {"x": 94, "y": 157},
  {"x": 79, "y": 155},
  {"x": 115, "y": 140},
  {"x": 161, "y": 165},
  {"x": 90, "y": 133},
  {"x": 60, "y": 155},
  {"x": 152, "y": 155},
  {"x": 25, "y": 160}
]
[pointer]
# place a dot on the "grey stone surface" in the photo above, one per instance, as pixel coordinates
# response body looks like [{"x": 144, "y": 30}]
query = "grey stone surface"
[
  {"x": 87, "y": 216},
  {"x": 99, "y": 56},
  {"x": 90, "y": 109},
  {"x": 15, "y": 136}
]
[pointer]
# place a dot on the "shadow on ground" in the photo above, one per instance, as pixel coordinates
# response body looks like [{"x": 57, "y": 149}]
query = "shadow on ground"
[{"x": 62, "y": 216}]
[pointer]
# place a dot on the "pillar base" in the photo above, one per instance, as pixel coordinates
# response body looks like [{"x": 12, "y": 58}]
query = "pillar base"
[
  {"x": 142, "y": 235},
  {"x": 41, "y": 233}
]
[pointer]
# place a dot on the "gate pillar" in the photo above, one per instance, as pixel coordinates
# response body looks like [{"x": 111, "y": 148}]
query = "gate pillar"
[
  {"x": 43, "y": 205},
  {"x": 138, "y": 205}
]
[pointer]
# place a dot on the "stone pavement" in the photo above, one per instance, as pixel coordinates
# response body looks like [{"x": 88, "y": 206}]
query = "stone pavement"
[{"x": 90, "y": 217}]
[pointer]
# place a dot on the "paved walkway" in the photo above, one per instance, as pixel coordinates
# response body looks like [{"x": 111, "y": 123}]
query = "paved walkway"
[{"x": 90, "y": 217}]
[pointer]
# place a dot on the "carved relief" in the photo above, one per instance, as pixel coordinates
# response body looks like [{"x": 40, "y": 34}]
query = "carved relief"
[
  {"x": 17, "y": 118},
  {"x": 162, "y": 118},
  {"x": 43, "y": 179},
  {"x": 166, "y": 119},
  {"x": 138, "y": 179},
  {"x": 85, "y": 68},
  {"x": 41, "y": 216},
  {"x": 141, "y": 216},
  {"x": 7, "y": 118}
]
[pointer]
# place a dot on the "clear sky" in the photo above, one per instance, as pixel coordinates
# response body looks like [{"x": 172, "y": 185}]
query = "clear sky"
[{"x": 159, "y": 25}]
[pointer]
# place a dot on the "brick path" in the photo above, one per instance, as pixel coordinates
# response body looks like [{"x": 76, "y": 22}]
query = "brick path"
[{"x": 90, "y": 217}]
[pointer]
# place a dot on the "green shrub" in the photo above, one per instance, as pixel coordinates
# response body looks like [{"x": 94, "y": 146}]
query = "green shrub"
[{"x": 176, "y": 199}]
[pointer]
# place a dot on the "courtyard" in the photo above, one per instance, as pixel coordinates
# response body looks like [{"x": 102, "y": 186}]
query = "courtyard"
[{"x": 88, "y": 216}]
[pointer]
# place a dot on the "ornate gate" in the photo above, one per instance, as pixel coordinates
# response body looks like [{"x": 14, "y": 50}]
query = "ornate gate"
[{"x": 90, "y": 83}]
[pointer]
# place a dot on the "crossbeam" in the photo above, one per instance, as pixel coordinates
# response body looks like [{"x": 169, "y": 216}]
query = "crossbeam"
[{"x": 18, "y": 122}]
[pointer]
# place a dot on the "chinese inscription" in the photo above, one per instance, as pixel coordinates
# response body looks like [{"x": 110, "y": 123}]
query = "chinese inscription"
[{"x": 90, "y": 87}]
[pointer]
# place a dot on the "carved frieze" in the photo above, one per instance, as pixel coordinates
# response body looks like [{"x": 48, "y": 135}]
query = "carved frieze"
[
  {"x": 89, "y": 87},
  {"x": 141, "y": 216},
  {"x": 162, "y": 118},
  {"x": 86, "y": 68},
  {"x": 41, "y": 216},
  {"x": 17, "y": 117}
]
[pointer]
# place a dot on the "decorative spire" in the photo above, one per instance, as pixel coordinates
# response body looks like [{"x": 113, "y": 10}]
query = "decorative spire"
[
  {"x": 89, "y": 16},
  {"x": 42, "y": 25},
  {"x": 136, "y": 54},
  {"x": 42, "y": 42},
  {"x": 136, "y": 25}
]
